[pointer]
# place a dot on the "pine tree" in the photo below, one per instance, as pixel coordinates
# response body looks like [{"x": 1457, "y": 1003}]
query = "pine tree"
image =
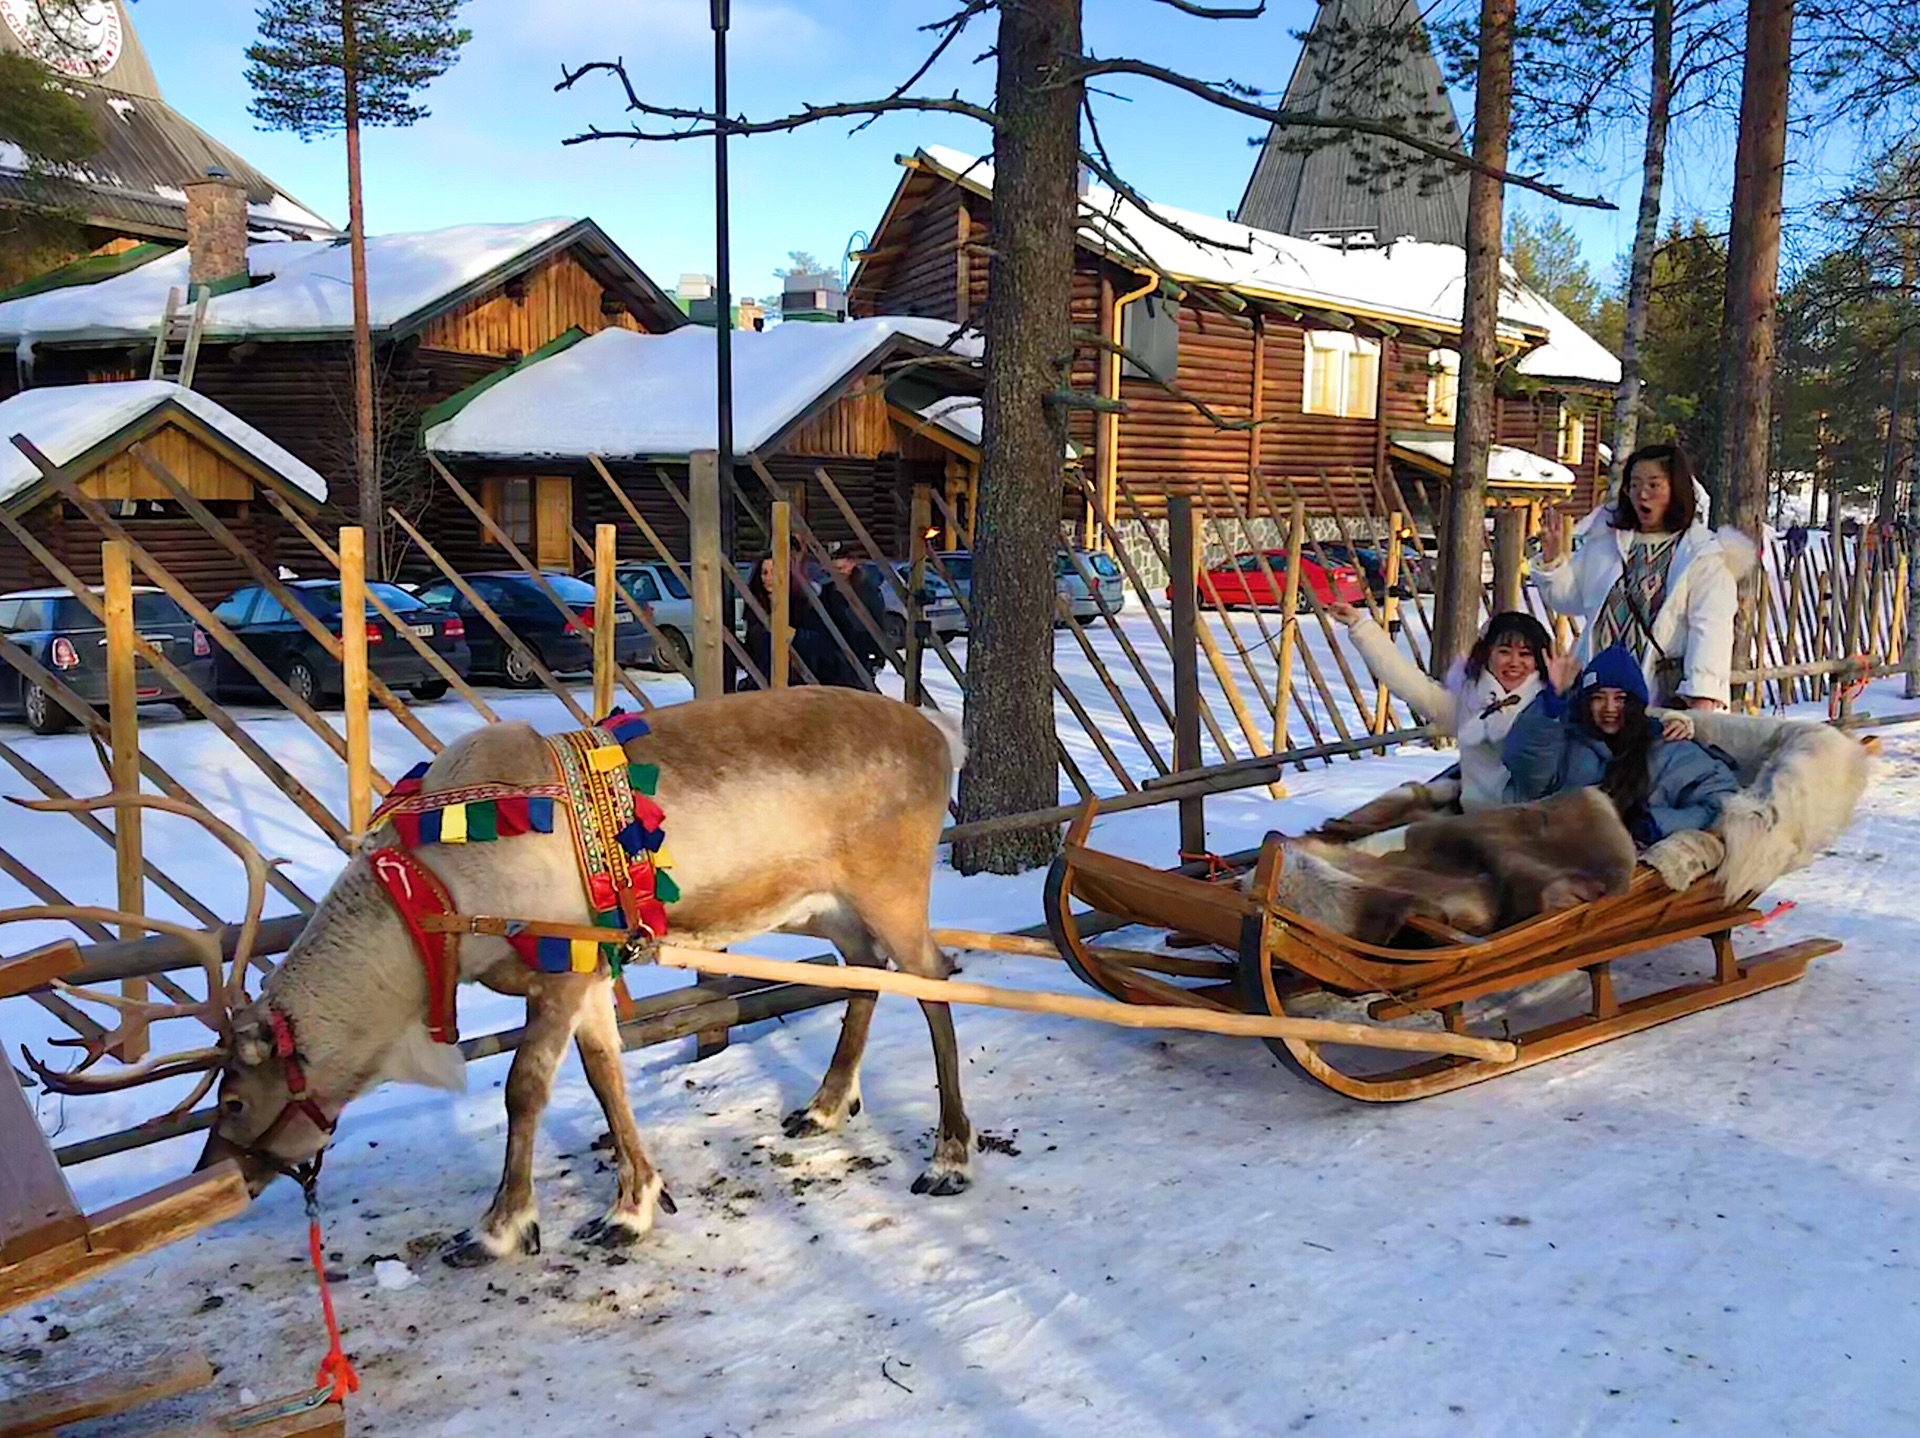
[
  {"x": 323, "y": 67},
  {"x": 40, "y": 227}
]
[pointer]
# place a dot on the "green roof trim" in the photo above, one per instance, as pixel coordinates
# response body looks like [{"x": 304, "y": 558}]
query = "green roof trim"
[
  {"x": 88, "y": 270},
  {"x": 226, "y": 286},
  {"x": 453, "y": 404}
]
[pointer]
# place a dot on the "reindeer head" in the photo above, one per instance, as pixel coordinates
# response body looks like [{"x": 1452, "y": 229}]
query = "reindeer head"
[
  {"x": 240, "y": 1059},
  {"x": 268, "y": 1124}
]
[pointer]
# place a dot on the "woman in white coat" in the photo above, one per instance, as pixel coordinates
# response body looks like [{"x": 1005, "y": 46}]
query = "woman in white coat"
[
  {"x": 1652, "y": 576},
  {"x": 1478, "y": 700}
]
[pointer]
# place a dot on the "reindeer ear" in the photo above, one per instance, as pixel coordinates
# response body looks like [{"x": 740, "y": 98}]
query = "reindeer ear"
[{"x": 252, "y": 1036}]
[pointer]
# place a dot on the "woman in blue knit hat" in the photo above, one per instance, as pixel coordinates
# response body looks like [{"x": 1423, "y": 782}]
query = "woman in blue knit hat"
[{"x": 1591, "y": 728}]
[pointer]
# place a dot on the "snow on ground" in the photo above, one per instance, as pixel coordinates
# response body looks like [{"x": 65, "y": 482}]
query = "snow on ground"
[{"x": 1706, "y": 1228}]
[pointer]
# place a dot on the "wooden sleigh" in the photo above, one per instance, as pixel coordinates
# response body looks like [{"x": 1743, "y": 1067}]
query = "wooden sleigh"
[{"x": 1284, "y": 964}]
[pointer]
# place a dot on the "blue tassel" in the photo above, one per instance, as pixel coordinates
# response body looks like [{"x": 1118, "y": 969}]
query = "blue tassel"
[
  {"x": 540, "y": 813},
  {"x": 555, "y": 956},
  {"x": 430, "y": 826},
  {"x": 418, "y": 771},
  {"x": 650, "y": 839},
  {"x": 633, "y": 838}
]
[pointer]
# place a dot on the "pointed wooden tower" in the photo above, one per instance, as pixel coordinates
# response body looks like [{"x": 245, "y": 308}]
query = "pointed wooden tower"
[{"x": 1368, "y": 58}]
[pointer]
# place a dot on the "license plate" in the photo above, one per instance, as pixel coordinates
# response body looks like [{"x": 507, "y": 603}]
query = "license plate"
[
  {"x": 623, "y": 617},
  {"x": 425, "y": 631}
]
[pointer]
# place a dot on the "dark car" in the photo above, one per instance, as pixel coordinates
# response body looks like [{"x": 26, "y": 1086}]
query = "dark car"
[
  {"x": 58, "y": 630},
  {"x": 284, "y": 646},
  {"x": 564, "y": 646}
]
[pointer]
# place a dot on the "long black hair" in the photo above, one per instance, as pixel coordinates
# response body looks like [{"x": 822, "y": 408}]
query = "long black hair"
[
  {"x": 1512, "y": 626},
  {"x": 1628, "y": 779},
  {"x": 1679, "y": 468}
]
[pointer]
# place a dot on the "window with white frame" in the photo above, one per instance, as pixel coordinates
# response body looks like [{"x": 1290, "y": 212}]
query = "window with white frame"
[
  {"x": 1342, "y": 375},
  {"x": 1443, "y": 386},
  {"x": 1573, "y": 436}
]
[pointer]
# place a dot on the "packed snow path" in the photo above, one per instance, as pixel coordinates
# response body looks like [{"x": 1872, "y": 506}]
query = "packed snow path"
[{"x": 1706, "y": 1228}]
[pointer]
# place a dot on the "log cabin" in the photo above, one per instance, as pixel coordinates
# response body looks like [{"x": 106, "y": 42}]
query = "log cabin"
[
  {"x": 1326, "y": 372},
  {"x": 877, "y": 405},
  {"x": 90, "y": 430},
  {"x": 130, "y": 195},
  {"x": 448, "y": 308}
]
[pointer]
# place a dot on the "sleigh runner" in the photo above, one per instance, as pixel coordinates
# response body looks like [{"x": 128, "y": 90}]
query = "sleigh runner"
[{"x": 1801, "y": 782}]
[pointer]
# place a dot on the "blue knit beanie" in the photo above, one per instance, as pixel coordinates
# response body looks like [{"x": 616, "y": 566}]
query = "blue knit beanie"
[{"x": 1614, "y": 668}]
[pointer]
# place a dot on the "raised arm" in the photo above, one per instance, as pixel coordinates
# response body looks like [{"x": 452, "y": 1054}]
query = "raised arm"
[{"x": 1404, "y": 678}]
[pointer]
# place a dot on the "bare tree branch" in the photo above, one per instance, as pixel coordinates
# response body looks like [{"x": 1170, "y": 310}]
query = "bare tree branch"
[
  {"x": 1231, "y": 96},
  {"x": 1219, "y": 12}
]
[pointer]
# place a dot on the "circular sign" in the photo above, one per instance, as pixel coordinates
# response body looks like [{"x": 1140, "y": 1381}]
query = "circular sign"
[{"x": 80, "y": 38}]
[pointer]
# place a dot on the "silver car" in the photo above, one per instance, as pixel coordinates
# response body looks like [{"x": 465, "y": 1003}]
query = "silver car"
[
  {"x": 655, "y": 585},
  {"x": 1108, "y": 592}
]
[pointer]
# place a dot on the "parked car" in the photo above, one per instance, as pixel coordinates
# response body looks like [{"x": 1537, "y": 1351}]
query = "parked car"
[
  {"x": 283, "y": 645},
  {"x": 1110, "y": 591},
  {"x": 893, "y": 620},
  {"x": 937, "y": 601},
  {"x": 564, "y": 646},
  {"x": 656, "y": 586},
  {"x": 1242, "y": 582},
  {"x": 60, "y": 631}
]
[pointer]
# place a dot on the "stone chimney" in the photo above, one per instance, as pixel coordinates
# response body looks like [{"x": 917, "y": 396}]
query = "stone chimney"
[{"x": 216, "y": 228}]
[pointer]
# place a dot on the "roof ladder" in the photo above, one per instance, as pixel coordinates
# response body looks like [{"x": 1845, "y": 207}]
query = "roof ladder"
[{"x": 177, "y": 349}]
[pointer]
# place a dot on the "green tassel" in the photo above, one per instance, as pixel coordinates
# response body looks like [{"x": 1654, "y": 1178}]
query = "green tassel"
[
  {"x": 483, "y": 826},
  {"x": 664, "y": 889},
  {"x": 645, "y": 778}
]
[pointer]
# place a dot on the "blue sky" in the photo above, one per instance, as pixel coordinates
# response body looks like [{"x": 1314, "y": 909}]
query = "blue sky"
[{"x": 491, "y": 150}]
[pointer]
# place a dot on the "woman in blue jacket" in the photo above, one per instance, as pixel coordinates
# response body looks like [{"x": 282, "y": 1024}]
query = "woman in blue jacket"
[{"x": 1596, "y": 731}]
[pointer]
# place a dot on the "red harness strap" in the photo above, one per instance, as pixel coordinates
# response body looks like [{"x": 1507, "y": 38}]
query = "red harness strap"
[
  {"x": 416, "y": 891},
  {"x": 299, "y": 1099}
]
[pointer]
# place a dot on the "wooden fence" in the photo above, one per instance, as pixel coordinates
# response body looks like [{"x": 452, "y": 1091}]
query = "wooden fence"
[{"x": 1165, "y": 697}]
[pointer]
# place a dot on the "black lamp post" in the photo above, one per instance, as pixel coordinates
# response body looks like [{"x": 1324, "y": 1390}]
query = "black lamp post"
[{"x": 723, "y": 327}]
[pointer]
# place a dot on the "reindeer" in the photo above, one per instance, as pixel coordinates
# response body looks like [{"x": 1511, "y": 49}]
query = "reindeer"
[{"x": 817, "y": 810}]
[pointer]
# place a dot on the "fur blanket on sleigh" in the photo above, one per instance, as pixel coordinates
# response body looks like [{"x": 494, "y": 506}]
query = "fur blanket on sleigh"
[{"x": 1800, "y": 784}]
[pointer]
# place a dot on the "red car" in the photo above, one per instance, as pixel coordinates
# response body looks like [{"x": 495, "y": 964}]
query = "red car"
[{"x": 1242, "y": 582}]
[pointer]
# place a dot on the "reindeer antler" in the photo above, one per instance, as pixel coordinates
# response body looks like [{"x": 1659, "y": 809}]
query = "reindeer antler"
[{"x": 225, "y": 988}]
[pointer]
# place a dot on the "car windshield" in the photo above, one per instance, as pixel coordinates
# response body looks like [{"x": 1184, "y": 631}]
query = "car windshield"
[
  {"x": 325, "y": 598},
  {"x": 1103, "y": 565},
  {"x": 670, "y": 583},
  {"x": 959, "y": 567}
]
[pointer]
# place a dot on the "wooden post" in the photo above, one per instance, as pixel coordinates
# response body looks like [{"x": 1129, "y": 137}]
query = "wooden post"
[
  {"x": 704, "y": 484},
  {"x": 353, "y": 668},
  {"x": 1183, "y": 543},
  {"x": 1509, "y": 547},
  {"x": 1289, "y": 623},
  {"x": 921, "y": 518},
  {"x": 1389, "y": 614},
  {"x": 780, "y": 632},
  {"x": 605, "y": 607},
  {"x": 116, "y": 565}
]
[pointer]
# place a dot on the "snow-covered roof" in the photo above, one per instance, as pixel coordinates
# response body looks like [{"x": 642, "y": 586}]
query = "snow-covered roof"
[
  {"x": 622, "y": 394},
  {"x": 65, "y": 421},
  {"x": 301, "y": 287},
  {"x": 964, "y": 417},
  {"x": 1408, "y": 281},
  {"x": 1506, "y": 465}
]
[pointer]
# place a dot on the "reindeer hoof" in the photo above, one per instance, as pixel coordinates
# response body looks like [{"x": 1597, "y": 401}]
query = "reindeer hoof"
[
  {"x": 467, "y": 1251},
  {"x": 666, "y": 1201},
  {"x": 942, "y": 1185},
  {"x": 602, "y": 1234}
]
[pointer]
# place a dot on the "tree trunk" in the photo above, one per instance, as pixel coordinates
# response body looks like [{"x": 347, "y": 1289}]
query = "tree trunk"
[
  {"x": 1463, "y": 536},
  {"x": 1646, "y": 235},
  {"x": 1753, "y": 272},
  {"x": 1029, "y": 344},
  {"x": 366, "y": 458}
]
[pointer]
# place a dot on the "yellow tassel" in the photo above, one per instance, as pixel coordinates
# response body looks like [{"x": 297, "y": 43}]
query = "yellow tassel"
[
  {"x": 586, "y": 955},
  {"x": 660, "y": 859},
  {"x": 453, "y": 824},
  {"x": 610, "y": 756}
]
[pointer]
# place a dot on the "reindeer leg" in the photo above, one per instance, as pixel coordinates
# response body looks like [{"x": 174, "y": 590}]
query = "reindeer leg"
[
  {"x": 631, "y": 1218},
  {"x": 902, "y": 930},
  {"x": 511, "y": 1225},
  {"x": 838, "y": 1097}
]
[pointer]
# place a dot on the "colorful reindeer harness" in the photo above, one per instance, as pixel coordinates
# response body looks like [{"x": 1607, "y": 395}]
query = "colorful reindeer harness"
[{"x": 619, "y": 837}]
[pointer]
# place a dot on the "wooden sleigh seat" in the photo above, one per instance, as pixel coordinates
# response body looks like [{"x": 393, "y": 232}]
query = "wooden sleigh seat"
[{"x": 1285, "y": 962}]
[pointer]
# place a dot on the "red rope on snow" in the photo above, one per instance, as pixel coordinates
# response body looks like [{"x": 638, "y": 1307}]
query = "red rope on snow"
[{"x": 335, "y": 1371}]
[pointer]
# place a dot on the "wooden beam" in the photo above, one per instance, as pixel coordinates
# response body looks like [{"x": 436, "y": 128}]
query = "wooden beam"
[
  {"x": 123, "y": 721},
  {"x": 40, "y": 1412},
  {"x": 708, "y": 661},
  {"x": 353, "y": 679},
  {"x": 126, "y": 1231}
]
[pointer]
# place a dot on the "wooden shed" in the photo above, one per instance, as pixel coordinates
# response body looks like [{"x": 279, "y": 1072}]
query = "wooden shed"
[
  {"x": 90, "y": 429},
  {"x": 858, "y": 403}
]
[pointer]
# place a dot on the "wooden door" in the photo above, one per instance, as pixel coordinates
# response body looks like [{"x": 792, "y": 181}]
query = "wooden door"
[{"x": 553, "y": 522}]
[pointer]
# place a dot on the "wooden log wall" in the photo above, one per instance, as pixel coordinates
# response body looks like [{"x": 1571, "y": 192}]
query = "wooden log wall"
[
  {"x": 191, "y": 554},
  {"x": 920, "y": 254},
  {"x": 206, "y": 473},
  {"x": 857, "y": 426},
  {"x": 554, "y": 297}
]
